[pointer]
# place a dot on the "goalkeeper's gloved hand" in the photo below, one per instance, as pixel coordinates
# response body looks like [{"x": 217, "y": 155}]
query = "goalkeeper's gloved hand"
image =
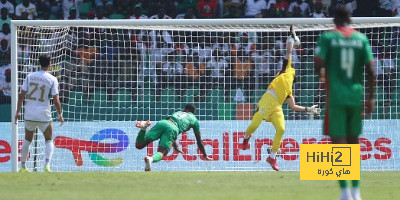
[{"x": 313, "y": 109}]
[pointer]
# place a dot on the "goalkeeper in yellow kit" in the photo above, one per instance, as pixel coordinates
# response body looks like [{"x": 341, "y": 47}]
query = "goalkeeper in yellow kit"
[{"x": 270, "y": 105}]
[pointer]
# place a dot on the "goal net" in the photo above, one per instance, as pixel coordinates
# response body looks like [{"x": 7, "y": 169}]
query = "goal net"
[{"x": 114, "y": 73}]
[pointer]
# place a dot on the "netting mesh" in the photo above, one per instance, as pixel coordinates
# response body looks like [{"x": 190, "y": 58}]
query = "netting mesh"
[{"x": 112, "y": 76}]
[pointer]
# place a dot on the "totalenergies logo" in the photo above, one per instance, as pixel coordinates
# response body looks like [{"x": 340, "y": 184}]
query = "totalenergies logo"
[{"x": 95, "y": 146}]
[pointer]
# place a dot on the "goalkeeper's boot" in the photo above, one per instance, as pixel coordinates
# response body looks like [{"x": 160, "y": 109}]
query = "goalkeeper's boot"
[
  {"x": 273, "y": 164},
  {"x": 47, "y": 169},
  {"x": 148, "y": 160},
  {"x": 246, "y": 144},
  {"x": 23, "y": 169},
  {"x": 143, "y": 124}
]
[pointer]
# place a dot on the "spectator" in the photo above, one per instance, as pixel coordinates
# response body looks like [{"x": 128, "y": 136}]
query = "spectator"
[
  {"x": 45, "y": 15},
  {"x": 244, "y": 44},
  {"x": 221, "y": 46},
  {"x": 237, "y": 3},
  {"x": 5, "y": 87},
  {"x": 24, "y": 55},
  {"x": 254, "y": 8},
  {"x": 68, "y": 4},
  {"x": 91, "y": 15},
  {"x": 232, "y": 13},
  {"x": 189, "y": 14},
  {"x": 117, "y": 13},
  {"x": 183, "y": 5},
  {"x": 280, "y": 8},
  {"x": 4, "y": 64},
  {"x": 102, "y": 3},
  {"x": 318, "y": 11},
  {"x": 163, "y": 36},
  {"x": 137, "y": 13},
  {"x": 299, "y": 4},
  {"x": 161, "y": 14},
  {"x": 206, "y": 8},
  {"x": 4, "y": 49},
  {"x": 8, "y": 5},
  {"x": 189, "y": 77},
  {"x": 264, "y": 61},
  {"x": 5, "y": 34},
  {"x": 385, "y": 69},
  {"x": 170, "y": 8},
  {"x": 218, "y": 65},
  {"x": 158, "y": 54},
  {"x": 100, "y": 15},
  {"x": 170, "y": 69},
  {"x": 72, "y": 15},
  {"x": 240, "y": 75},
  {"x": 54, "y": 7},
  {"x": 28, "y": 7},
  {"x": 297, "y": 12},
  {"x": 351, "y": 5},
  {"x": 87, "y": 55},
  {"x": 202, "y": 49},
  {"x": 195, "y": 73},
  {"x": 4, "y": 19},
  {"x": 5, "y": 56},
  {"x": 180, "y": 48}
]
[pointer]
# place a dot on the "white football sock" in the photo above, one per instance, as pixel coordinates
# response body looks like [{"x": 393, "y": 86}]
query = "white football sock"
[
  {"x": 24, "y": 152},
  {"x": 356, "y": 193},
  {"x": 247, "y": 136},
  {"x": 49, "y": 152},
  {"x": 346, "y": 193},
  {"x": 272, "y": 155}
]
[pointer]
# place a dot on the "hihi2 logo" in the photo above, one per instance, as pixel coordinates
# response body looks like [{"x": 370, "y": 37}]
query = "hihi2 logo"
[{"x": 329, "y": 162}]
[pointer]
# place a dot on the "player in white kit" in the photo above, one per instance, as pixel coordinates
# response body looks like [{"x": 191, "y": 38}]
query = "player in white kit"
[{"x": 36, "y": 89}]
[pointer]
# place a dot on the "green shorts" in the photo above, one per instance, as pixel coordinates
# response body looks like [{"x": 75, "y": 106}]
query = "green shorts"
[
  {"x": 343, "y": 121},
  {"x": 164, "y": 130}
]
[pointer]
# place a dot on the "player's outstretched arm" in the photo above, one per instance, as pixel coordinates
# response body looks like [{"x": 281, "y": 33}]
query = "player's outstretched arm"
[
  {"x": 57, "y": 104},
  {"x": 289, "y": 49},
  {"x": 292, "y": 104},
  {"x": 21, "y": 98},
  {"x": 371, "y": 87},
  {"x": 290, "y": 42},
  {"x": 200, "y": 145}
]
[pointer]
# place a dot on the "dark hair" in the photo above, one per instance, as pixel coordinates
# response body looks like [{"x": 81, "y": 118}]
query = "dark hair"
[
  {"x": 190, "y": 108},
  {"x": 44, "y": 60},
  {"x": 342, "y": 16}
]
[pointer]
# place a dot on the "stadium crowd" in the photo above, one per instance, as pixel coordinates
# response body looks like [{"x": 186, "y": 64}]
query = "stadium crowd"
[{"x": 178, "y": 59}]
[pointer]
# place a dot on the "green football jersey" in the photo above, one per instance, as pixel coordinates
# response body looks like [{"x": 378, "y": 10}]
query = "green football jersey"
[
  {"x": 185, "y": 121},
  {"x": 344, "y": 58}
]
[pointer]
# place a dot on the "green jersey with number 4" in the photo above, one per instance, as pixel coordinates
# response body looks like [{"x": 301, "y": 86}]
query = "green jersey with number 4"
[
  {"x": 184, "y": 121},
  {"x": 345, "y": 54}
]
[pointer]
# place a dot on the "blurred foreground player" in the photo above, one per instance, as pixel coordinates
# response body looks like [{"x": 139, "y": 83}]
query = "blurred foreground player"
[
  {"x": 167, "y": 130},
  {"x": 270, "y": 105},
  {"x": 340, "y": 58}
]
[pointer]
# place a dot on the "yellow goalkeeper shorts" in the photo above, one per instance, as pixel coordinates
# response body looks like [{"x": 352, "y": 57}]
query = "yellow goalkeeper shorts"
[{"x": 268, "y": 106}]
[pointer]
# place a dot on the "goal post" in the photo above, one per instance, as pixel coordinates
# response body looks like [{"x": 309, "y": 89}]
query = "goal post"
[{"x": 114, "y": 72}]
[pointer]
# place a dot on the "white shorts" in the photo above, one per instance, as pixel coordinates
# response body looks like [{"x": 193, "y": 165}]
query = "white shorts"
[{"x": 31, "y": 126}]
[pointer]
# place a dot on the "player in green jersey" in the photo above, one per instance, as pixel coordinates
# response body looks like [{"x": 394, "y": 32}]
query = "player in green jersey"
[
  {"x": 340, "y": 58},
  {"x": 167, "y": 130}
]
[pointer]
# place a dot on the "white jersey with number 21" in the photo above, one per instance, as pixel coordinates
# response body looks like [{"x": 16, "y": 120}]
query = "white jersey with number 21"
[{"x": 38, "y": 86}]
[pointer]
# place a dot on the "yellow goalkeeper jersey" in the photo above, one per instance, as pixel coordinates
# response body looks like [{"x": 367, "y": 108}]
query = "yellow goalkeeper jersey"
[{"x": 282, "y": 83}]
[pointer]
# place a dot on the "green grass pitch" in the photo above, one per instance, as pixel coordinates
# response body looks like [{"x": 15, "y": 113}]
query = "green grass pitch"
[{"x": 186, "y": 185}]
